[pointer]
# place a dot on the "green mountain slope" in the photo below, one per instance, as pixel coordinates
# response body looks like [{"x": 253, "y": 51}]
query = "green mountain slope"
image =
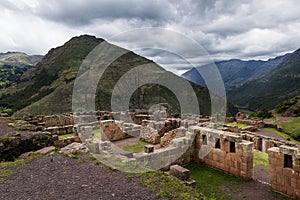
[
  {"x": 13, "y": 65},
  {"x": 47, "y": 88},
  {"x": 289, "y": 108},
  {"x": 272, "y": 88},
  {"x": 235, "y": 72}
]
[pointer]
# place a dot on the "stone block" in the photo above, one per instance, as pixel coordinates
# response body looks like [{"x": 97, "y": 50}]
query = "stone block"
[
  {"x": 180, "y": 172},
  {"x": 190, "y": 182},
  {"x": 46, "y": 150},
  {"x": 149, "y": 148}
]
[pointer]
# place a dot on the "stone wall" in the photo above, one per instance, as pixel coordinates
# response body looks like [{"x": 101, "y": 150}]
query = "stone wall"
[
  {"x": 285, "y": 170},
  {"x": 263, "y": 143},
  {"x": 230, "y": 153},
  {"x": 257, "y": 123},
  {"x": 14, "y": 146}
]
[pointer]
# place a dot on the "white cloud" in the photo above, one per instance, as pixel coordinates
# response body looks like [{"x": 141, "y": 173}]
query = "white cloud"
[{"x": 239, "y": 29}]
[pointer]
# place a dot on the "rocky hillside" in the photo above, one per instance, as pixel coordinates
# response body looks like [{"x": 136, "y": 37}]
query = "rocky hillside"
[
  {"x": 289, "y": 107},
  {"x": 235, "y": 72},
  {"x": 47, "y": 88},
  {"x": 271, "y": 88},
  {"x": 13, "y": 65}
]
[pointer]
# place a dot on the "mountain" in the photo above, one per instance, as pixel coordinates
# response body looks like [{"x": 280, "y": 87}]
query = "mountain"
[
  {"x": 235, "y": 72},
  {"x": 271, "y": 88},
  {"x": 47, "y": 88},
  {"x": 13, "y": 65}
]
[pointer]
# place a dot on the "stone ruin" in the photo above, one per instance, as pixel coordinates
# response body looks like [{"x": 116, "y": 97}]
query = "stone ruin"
[
  {"x": 285, "y": 170},
  {"x": 182, "y": 141}
]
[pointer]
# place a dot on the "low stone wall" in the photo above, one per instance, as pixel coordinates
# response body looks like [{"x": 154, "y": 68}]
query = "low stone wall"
[
  {"x": 263, "y": 143},
  {"x": 60, "y": 130},
  {"x": 285, "y": 170},
  {"x": 256, "y": 123},
  {"x": 58, "y": 120},
  {"x": 226, "y": 151},
  {"x": 64, "y": 142},
  {"x": 12, "y": 147}
]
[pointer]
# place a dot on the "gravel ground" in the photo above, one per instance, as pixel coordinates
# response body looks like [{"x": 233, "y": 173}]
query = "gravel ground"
[{"x": 60, "y": 177}]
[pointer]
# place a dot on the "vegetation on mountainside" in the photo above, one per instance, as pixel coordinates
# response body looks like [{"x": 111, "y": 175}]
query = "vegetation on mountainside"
[
  {"x": 290, "y": 107},
  {"x": 272, "y": 88},
  {"x": 292, "y": 128},
  {"x": 47, "y": 88},
  {"x": 262, "y": 113},
  {"x": 13, "y": 65},
  {"x": 235, "y": 72}
]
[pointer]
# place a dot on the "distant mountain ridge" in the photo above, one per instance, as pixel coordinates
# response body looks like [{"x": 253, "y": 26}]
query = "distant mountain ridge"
[
  {"x": 269, "y": 89},
  {"x": 235, "y": 72},
  {"x": 13, "y": 65},
  {"x": 47, "y": 88}
]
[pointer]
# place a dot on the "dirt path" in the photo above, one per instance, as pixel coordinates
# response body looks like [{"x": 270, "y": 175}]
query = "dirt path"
[
  {"x": 269, "y": 134},
  {"x": 59, "y": 177}
]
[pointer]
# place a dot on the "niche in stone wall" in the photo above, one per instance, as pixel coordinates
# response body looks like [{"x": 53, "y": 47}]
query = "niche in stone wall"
[
  {"x": 288, "y": 161},
  {"x": 232, "y": 147},
  {"x": 218, "y": 144},
  {"x": 204, "y": 139}
]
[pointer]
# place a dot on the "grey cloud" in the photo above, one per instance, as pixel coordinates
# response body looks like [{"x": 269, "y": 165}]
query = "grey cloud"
[
  {"x": 83, "y": 12},
  {"x": 225, "y": 29}
]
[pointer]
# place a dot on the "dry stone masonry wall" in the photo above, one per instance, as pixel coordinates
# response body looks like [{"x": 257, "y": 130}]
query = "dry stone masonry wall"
[{"x": 285, "y": 170}]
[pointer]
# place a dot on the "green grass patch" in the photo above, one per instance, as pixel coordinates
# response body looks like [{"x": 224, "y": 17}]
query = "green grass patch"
[
  {"x": 6, "y": 119},
  {"x": 261, "y": 158},
  {"x": 97, "y": 133},
  {"x": 237, "y": 124},
  {"x": 284, "y": 135},
  {"x": 211, "y": 182},
  {"x": 136, "y": 148},
  {"x": 167, "y": 186},
  {"x": 292, "y": 127},
  {"x": 65, "y": 136}
]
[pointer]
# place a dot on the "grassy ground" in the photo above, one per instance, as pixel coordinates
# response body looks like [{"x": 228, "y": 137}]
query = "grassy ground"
[
  {"x": 237, "y": 124},
  {"x": 284, "y": 135},
  {"x": 260, "y": 158},
  {"x": 65, "y": 136},
  {"x": 97, "y": 133},
  {"x": 168, "y": 186},
  {"x": 7, "y": 119},
  {"x": 210, "y": 181},
  {"x": 292, "y": 126},
  {"x": 136, "y": 148}
]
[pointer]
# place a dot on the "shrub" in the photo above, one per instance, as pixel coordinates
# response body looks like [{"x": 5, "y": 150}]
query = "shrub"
[{"x": 263, "y": 113}]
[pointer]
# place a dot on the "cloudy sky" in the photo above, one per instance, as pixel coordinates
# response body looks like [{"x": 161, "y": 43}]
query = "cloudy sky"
[{"x": 248, "y": 29}]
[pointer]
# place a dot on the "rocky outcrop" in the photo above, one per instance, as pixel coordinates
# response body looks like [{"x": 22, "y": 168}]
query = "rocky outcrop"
[
  {"x": 13, "y": 146},
  {"x": 74, "y": 148}
]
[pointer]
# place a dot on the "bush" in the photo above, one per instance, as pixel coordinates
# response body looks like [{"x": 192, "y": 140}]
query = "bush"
[
  {"x": 263, "y": 113},
  {"x": 280, "y": 108}
]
